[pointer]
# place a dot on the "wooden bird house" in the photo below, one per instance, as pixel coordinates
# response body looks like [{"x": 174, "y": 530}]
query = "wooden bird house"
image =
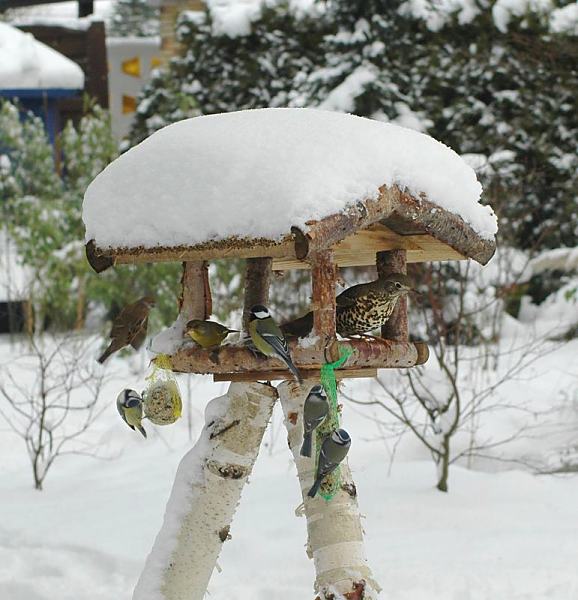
[{"x": 388, "y": 228}]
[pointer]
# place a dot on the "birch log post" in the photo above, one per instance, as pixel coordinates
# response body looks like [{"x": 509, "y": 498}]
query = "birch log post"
[
  {"x": 334, "y": 528},
  {"x": 205, "y": 495},
  {"x": 394, "y": 261},
  {"x": 257, "y": 282},
  {"x": 195, "y": 301}
]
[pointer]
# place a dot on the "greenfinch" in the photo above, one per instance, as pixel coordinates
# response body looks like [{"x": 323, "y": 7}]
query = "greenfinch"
[{"x": 207, "y": 334}]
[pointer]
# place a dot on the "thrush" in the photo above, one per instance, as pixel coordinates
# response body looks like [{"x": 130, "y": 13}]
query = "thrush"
[
  {"x": 360, "y": 308},
  {"x": 129, "y": 328},
  {"x": 207, "y": 334}
]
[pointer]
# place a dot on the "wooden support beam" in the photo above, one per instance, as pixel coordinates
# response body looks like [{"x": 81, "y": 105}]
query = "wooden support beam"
[
  {"x": 195, "y": 301},
  {"x": 394, "y": 261},
  {"x": 323, "y": 278},
  {"x": 373, "y": 354},
  {"x": 276, "y": 375},
  {"x": 206, "y": 492},
  {"x": 257, "y": 282},
  {"x": 334, "y": 530}
]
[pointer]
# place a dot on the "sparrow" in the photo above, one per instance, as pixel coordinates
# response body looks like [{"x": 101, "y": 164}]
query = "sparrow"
[{"x": 129, "y": 328}]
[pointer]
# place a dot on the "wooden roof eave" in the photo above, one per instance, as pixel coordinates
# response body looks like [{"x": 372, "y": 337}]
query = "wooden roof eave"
[{"x": 399, "y": 211}]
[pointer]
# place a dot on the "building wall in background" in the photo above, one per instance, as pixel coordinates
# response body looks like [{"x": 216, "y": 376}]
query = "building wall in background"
[{"x": 130, "y": 63}]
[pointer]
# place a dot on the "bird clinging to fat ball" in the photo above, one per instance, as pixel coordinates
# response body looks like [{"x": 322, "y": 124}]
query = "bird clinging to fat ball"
[
  {"x": 360, "y": 308},
  {"x": 129, "y": 406},
  {"x": 207, "y": 334},
  {"x": 315, "y": 409},
  {"x": 268, "y": 338},
  {"x": 333, "y": 451},
  {"x": 129, "y": 328}
]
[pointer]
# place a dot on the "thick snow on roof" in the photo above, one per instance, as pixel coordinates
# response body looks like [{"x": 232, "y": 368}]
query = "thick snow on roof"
[
  {"x": 256, "y": 173},
  {"x": 26, "y": 63}
]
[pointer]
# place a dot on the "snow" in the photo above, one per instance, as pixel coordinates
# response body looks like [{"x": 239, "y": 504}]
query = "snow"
[
  {"x": 495, "y": 535},
  {"x": 565, "y": 19},
  {"x": 64, "y": 14},
  {"x": 342, "y": 98},
  {"x": 504, "y": 10},
  {"x": 234, "y": 18},
  {"x": 256, "y": 173},
  {"x": 557, "y": 314},
  {"x": 436, "y": 15},
  {"x": 26, "y": 63},
  {"x": 560, "y": 259}
]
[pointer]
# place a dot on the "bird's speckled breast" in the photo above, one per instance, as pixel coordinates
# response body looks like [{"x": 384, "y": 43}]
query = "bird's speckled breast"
[{"x": 368, "y": 313}]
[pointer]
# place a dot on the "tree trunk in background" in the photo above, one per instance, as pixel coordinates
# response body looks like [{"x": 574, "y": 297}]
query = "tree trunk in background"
[
  {"x": 334, "y": 528},
  {"x": 444, "y": 465},
  {"x": 205, "y": 495}
]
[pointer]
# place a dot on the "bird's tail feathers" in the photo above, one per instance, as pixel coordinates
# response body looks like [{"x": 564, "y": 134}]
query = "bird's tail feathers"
[
  {"x": 105, "y": 354},
  {"x": 307, "y": 444},
  {"x": 293, "y": 369},
  {"x": 315, "y": 488},
  {"x": 142, "y": 430}
]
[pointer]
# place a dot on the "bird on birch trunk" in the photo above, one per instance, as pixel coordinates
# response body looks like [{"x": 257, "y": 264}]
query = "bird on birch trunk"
[
  {"x": 333, "y": 452},
  {"x": 129, "y": 328},
  {"x": 315, "y": 409}
]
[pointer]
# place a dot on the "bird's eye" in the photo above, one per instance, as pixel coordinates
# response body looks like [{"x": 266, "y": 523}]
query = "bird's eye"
[{"x": 398, "y": 285}]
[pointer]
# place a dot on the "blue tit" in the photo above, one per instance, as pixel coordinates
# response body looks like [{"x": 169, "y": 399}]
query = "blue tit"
[
  {"x": 333, "y": 450},
  {"x": 268, "y": 338},
  {"x": 129, "y": 406},
  {"x": 315, "y": 410}
]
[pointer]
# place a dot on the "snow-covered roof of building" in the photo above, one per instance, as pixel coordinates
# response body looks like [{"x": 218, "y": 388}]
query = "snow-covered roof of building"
[
  {"x": 26, "y": 63},
  {"x": 258, "y": 174}
]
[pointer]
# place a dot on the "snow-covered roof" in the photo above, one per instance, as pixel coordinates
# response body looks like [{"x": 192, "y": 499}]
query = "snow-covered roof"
[
  {"x": 256, "y": 173},
  {"x": 63, "y": 14},
  {"x": 26, "y": 63}
]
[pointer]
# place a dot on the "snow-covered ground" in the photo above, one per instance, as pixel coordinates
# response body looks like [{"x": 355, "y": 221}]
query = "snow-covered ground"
[{"x": 497, "y": 534}]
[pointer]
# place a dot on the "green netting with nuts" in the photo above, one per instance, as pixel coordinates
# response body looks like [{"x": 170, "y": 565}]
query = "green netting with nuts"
[{"x": 332, "y": 482}]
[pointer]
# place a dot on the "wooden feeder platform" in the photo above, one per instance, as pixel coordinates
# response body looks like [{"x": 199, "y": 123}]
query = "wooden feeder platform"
[{"x": 390, "y": 231}]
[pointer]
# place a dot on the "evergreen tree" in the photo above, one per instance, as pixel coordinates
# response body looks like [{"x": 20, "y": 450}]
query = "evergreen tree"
[
  {"x": 502, "y": 88},
  {"x": 490, "y": 80},
  {"x": 134, "y": 18},
  {"x": 42, "y": 212},
  {"x": 221, "y": 70}
]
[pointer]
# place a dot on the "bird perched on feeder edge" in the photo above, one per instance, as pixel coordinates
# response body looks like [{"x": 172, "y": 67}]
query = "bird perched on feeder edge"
[
  {"x": 129, "y": 406},
  {"x": 315, "y": 409},
  {"x": 207, "y": 334},
  {"x": 333, "y": 451},
  {"x": 268, "y": 338},
  {"x": 360, "y": 308},
  {"x": 129, "y": 328}
]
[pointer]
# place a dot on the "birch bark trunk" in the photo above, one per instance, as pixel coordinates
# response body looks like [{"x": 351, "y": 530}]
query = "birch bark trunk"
[
  {"x": 334, "y": 528},
  {"x": 205, "y": 495}
]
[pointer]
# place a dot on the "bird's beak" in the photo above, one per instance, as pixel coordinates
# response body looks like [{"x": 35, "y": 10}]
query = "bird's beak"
[{"x": 414, "y": 291}]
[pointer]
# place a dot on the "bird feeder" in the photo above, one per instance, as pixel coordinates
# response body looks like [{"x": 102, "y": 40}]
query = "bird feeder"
[
  {"x": 389, "y": 228},
  {"x": 282, "y": 189}
]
